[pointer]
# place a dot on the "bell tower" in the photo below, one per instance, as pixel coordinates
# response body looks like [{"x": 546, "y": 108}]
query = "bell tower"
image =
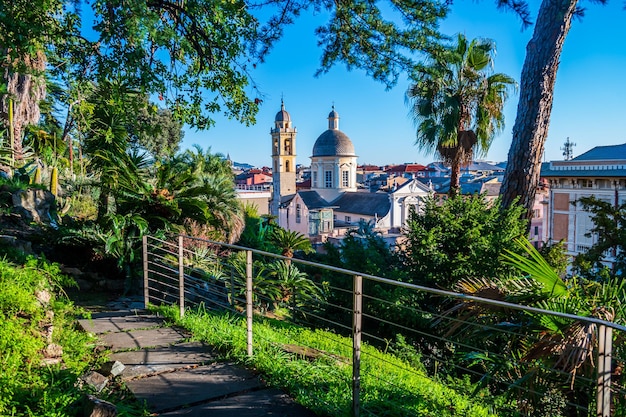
[{"x": 283, "y": 158}]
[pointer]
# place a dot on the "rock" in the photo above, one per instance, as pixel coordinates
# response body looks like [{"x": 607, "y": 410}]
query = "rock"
[
  {"x": 43, "y": 296},
  {"x": 19, "y": 244},
  {"x": 73, "y": 272},
  {"x": 53, "y": 351},
  {"x": 112, "y": 368},
  {"x": 84, "y": 285},
  {"x": 96, "y": 380},
  {"x": 95, "y": 407},
  {"x": 47, "y": 332},
  {"x": 34, "y": 205},
  {"x": 51, "y": 361}
]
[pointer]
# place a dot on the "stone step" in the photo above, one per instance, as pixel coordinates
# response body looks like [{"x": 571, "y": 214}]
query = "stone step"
[
  {"x": 188, "y": 387},
  {"x": 259, "y": 403},
  {"x": 105, "y": 323},
  {"x": 141, "y": 339},
  {"x": 150, "y": 361}
]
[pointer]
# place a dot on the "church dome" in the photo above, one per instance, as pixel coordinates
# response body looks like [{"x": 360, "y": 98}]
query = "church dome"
[
  {"x": 333, "y": 142},
  {"x": 282, "y": 115}
]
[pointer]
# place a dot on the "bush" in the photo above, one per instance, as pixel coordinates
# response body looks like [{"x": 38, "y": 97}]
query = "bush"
[{"x": 462, "y": 237}]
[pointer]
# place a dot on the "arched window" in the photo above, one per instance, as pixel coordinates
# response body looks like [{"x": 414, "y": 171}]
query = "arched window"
[{"x": 286, "y": 166}]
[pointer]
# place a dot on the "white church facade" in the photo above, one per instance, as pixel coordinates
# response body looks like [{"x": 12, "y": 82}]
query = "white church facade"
[{"x": 334, "y": 202}]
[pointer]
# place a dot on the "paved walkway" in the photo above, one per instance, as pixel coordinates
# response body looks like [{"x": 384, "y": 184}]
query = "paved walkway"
[{"x": 180, "y": 378}]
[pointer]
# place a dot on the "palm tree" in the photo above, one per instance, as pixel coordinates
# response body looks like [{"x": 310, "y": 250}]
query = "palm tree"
[
  {"x": 456, "y": 105},
  {"x": 289, "y": 241}
]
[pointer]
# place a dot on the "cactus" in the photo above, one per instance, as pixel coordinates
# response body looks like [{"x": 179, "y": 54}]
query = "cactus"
[
  {"x": 37, "y": 176},
  {"x": 54, "y": 181}
]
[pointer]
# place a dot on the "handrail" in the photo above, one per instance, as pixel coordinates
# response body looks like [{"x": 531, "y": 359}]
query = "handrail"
[{"x": 407, "y": 285}]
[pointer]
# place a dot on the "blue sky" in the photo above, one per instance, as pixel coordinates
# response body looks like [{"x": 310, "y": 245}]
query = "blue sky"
[{"x": 589, "y": 104}]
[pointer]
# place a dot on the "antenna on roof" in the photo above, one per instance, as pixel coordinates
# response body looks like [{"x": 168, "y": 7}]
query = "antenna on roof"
[{"x": 568, "y": 149}]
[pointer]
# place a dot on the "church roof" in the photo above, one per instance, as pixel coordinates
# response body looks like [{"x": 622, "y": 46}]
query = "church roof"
[
  {"x": 333, "y": 142},
  {"x": 312, "y": 200},
  {"x": 368, "y": 204}
]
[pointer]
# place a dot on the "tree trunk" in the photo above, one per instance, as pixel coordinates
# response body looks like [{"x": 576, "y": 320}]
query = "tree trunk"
[
  {"x": 535, "y": 103},
  {"x": 455, "y": 179},
  {"x": 26, "y": 88}
]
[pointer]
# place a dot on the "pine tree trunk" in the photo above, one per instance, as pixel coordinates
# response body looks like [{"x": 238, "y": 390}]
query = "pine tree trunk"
[{"x": 535, "y": 103}]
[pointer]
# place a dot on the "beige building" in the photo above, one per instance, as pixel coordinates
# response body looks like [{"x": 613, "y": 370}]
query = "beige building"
[{"x": 600, "y": 172}]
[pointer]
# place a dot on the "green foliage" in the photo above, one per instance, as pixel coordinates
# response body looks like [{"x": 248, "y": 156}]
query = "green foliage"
[
  {"x": 27, "y": 387},
  {"x": 457, "y": 103},
  {"x": 297, "y": 289},
  {"x": 267, "y": 290},
  {"x": 197, "y": 57},
  {"x": 289, "y": 242},
  {"x": 544, "y": 347},
  {"x": 460, "y": 238},
  {"x": 537, "y": 267},
  {"x": 390, "y": 386},
  {"x": 556, "y": 256},
  {"x": 610, "y": 228},
  {"x": 157, "y": 132},
  {"x": 256, "y": 230}
]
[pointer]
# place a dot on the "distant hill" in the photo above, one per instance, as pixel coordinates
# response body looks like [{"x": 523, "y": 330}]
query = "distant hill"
[{"x": 242, "y": 166}]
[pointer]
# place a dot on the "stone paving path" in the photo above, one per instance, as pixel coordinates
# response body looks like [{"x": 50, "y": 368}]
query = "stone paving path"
[{"x": 180, "y": 378}]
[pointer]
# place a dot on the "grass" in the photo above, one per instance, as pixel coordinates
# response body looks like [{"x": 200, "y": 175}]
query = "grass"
[
  {"x": 28, "y": 386},
  {"x": 389, "y": 385}
]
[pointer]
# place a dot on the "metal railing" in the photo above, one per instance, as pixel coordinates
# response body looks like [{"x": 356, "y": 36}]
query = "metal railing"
[{"x": 458, "y": 335}]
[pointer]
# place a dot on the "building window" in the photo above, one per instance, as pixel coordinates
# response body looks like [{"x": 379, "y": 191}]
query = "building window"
[
  {"x": 328, "y": 179},
  {"x": 536, "y": 213},
  {"x": 536, "y": 230},
  {"x": 348, "y": 219},
  {"x": 287, "y": 166},
  {"x": 314, "y": 179},
  {"x": 345, "y": 179},
  {"x": 298, "y": 213}
]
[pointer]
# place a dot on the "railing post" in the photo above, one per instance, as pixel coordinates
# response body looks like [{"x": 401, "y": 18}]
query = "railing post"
[
  {"x": 146, "y": 292},
  {"x": 232, "y": 286},
  {"x": 605, "y": 348},
  {"x": 357, "y": 319},
  {"x": 249, "y": 300},
  {"x": 181, "y": 277}
]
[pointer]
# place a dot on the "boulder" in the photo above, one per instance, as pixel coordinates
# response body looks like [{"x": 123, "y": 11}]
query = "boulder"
[
  {"x": 19, "y": 244},
  {"x": 95, "y": 407},
  {"x": 96, "y": 380},
  {"x": 34, "y": 205},
  {"x": 112, "y": 368}
]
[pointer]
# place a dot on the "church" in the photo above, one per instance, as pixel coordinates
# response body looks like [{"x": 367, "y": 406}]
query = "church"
[{"x": 334, "y": 203}]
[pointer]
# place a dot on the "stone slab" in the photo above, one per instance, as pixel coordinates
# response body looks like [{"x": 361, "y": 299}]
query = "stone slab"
[
  {"x": 145, "y": 362},
  {"x": 140, "y": 339},
  {"x": 105, "y": 324},
  {"x": 170, "y": 391},
  {"x": 265, "y": 402}
]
